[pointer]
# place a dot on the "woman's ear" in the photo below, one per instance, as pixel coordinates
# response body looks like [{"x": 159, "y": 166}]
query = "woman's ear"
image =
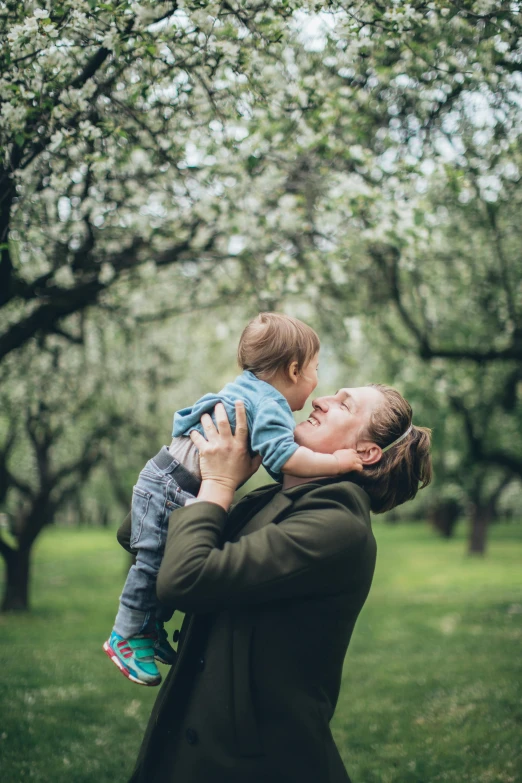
[
  {"x": 293, "y": 372},
  {"x": 369, "y": 452}
]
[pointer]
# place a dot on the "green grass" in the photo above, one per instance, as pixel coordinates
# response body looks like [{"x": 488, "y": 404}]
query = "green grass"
[{"x": 432, "y": 685}]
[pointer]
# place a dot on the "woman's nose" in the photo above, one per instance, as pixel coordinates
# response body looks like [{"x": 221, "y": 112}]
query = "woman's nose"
[{"x": 321, "y": 403}]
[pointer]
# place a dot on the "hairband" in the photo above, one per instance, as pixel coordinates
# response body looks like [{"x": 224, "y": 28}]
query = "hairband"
[{"x": 401, "y": 437}]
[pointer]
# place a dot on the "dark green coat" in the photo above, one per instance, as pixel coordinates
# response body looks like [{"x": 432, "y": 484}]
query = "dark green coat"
[{"x": 271, "y": 594}]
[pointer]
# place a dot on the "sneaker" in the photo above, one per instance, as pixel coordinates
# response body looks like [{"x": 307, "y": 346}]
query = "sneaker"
[
  {"x": 134, "y": 657},
  {"x": 163, "y": 652}
]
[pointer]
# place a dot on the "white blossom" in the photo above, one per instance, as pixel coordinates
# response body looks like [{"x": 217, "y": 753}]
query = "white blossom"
[{"x": 56, "y": 140}]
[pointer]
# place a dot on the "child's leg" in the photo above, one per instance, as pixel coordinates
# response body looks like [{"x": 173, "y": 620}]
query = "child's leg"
[
  {"x": 137, "y": 610},
  {"x": 148, "y": 521},
  {"x": 131, "y": 643},
  {"x": 155, "y": 496}
]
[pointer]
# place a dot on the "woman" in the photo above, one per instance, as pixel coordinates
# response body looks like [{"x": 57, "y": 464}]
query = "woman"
[{"x": 271, "y": 591}]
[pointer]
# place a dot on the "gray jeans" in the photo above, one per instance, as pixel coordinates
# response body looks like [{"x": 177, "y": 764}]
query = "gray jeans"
[{"x": 163, "y": 485}]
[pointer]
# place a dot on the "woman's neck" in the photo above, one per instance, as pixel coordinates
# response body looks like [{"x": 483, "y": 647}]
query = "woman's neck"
[{"x": 294, "y": 481}]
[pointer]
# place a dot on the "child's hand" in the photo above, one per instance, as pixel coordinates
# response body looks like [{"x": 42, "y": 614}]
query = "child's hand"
[{"x": 348, "y": 460}]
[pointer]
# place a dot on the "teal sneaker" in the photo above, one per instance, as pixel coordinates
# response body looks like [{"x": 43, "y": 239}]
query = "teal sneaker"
[
  {"x": 134, "y": 657},
  {"x": 163, "y": 652}
]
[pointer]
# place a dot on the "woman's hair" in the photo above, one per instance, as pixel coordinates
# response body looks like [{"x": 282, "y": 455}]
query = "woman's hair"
[
  {"x": 406, "y": 466},
  {"x": 271, "y": 342}
]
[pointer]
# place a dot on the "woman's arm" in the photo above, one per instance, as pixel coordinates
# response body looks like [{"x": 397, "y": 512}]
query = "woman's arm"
[{"x": 318, "y": 549}]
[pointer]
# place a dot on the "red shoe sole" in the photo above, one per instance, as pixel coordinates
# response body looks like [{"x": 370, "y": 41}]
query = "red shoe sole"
[{"x": 114, "y": 658}]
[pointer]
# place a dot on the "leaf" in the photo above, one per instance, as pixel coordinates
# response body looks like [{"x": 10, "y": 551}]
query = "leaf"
[{"x": 20, "y": 139}]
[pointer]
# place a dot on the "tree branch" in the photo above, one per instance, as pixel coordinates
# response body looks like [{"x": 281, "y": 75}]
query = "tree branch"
[
  {"x": 91, "y": 453},
  {"x": 503, "y": 460},
  {"x": 45, "y": 318},
  {"x": 474, "y": 441},
  {"x": 387, "y": 260},
  {"x": 92, "y": 66},
  {"x": 513, "y": 352},
  {"x": 497, "y": 237},
  {"x": 4, "y": 455},
  {"x": 23, "y": 488}
]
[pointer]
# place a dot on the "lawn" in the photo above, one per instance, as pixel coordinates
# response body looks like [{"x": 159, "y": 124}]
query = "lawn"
[{"x": 432, "y": 685}]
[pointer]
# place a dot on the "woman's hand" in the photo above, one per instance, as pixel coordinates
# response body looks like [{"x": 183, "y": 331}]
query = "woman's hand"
[{"x": 224, "y": 461}]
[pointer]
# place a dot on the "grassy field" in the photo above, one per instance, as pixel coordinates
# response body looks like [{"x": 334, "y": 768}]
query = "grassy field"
[{"x": 433, "y": 679}]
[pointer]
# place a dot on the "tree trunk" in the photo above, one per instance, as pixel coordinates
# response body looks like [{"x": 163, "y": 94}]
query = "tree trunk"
[
  {"x": 16, "y": 588},
  {"x": 481, "y": 516},
  {"x": 443, "y": 516}
]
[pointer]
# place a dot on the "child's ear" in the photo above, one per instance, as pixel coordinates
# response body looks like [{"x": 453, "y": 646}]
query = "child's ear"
[{"x": 293, "y": 372}]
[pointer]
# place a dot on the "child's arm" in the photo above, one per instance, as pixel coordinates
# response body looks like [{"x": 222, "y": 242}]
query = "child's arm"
[
  {"x": 272, "y": 437},
  {"x": 307, "y": 463}
]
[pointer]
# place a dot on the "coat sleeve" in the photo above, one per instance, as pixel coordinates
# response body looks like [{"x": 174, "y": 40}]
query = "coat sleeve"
[
  {"x": 313, "y": 551},
  {"x": 124, "y": 533}
]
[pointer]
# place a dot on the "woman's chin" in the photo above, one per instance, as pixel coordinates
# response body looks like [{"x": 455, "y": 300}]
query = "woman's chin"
[{"x": 304, "y": 434}]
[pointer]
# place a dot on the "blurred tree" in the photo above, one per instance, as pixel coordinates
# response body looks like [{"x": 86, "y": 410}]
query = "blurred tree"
[
  {"x": 398, "y": 102},
  {"x": 77, "y": 423},
  {"x": 209, "y": 139},
  {"x": 113, "y": 120},
  {"x": 63, "y": 414},
  {"x": 44, "y": 459},
  {"x": 414, "y": 229},
  {"x": 454, "y": 281}
]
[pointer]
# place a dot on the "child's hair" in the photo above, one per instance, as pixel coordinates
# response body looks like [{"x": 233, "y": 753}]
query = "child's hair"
[
  {"x": 271, "y": 342},
  {"x": 404, "y": 468}
]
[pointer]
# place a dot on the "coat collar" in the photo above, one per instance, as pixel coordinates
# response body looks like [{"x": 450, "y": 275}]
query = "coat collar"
[
  {"x": 271, "y": 511},
  {"x": 247, "y": 507}
]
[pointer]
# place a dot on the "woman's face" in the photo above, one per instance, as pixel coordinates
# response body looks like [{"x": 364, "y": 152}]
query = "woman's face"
[{"x": 338, "y": 421}]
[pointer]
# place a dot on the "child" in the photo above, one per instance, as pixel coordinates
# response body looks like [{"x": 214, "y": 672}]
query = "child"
[{"x": 279, "y": 358}]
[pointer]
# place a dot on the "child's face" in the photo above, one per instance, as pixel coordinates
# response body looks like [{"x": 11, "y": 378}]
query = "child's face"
[{"x": 306, "y": 382}]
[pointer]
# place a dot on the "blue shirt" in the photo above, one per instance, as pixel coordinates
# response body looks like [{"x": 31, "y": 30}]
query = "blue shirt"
[{"x": 270, "y": 421}]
